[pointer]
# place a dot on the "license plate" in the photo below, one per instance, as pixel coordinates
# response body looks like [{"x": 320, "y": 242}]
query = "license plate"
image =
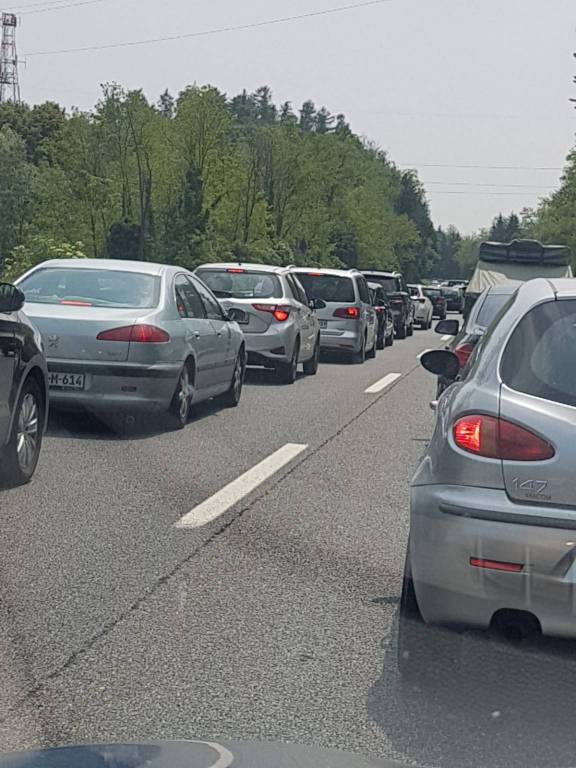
[
  {"x": 323, "y": 323},
  {"x": 66, "y": 380}
]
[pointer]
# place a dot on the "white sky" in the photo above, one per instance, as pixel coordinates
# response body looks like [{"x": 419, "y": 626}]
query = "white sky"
[{"x": 452, "y": 82}]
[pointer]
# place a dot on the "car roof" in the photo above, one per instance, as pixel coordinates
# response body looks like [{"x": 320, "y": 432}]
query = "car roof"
[
  {"x": 379, "y": 273},
  {"x": 564, "y": 286},
  {"x": 323, "y": 271},
  {"x": 505, "y": 288},
  {"x": 275, "y": 269},
  {"x": 118, "y": 265}
]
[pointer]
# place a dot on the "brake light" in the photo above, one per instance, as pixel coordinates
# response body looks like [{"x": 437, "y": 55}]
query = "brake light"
[
  {"x": 463, "y": 352},
  {"x": 495, "y": 438},
  {"x": 280, "y": 313},
  {"x": 236, "y": 270},
  {"x": 140, "y": 333},
  {"x": 350, "y": 313},
  {"x": 496, "y": 565},
  {"x": 314, "y": 274}
]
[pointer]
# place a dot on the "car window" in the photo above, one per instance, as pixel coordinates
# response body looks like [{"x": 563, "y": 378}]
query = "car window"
[
  {"x": 414, "y": 291},
  {"x": 211, "y": 305},
  {"x": 188, "y": 301},
  {"x": 388, "y": 283},
  {"x": 91, "y": 288},
  {"x": 539, "y": 358},
  {"x": 240, "y": 283},
  {"x": 297, "y": 290},
  {"x": 363, "y": 290},
  {"x": 491, "y": 305},
  {"x": 432, "y": 293},
  {"x": 329, "y": 288}
]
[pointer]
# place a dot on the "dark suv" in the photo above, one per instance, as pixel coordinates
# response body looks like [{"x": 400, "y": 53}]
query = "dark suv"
[
  {"x": 400, "y": 301},
  {"x": 23, "y": 390}
]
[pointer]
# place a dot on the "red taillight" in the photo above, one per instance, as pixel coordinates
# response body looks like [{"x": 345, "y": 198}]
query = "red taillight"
[
  {"x": 280, "y": 313},
  {"x": 495, "y": 438},
  {"x": 314, "y": 274},
  {"x": 350, "y": 313},
  {"x": 496, "y": 565},
  {"x": 138, "y": 333},
  {"x": 463, "y": 352},
  {"x": 236, "y": 270}
]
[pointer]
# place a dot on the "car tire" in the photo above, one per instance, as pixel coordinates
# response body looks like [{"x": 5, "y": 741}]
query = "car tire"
[
  {"x": 286, "y": 372},
  {"x": 21, "y": 454},
  {"x": 389, "y": 340},
  {"x": 402, "y": 332},
  {"x": 372, "y": 354},
  {"x": 423, "y": 650},
  {"x": 381, "y": 342},
  {"x": 311, "y": 366},
  {"x": 231, "y": 397},
  {"x": 410, "y": 330},
  {"x": 179, "y": 410},
  {"x": 360, "y": 356}
]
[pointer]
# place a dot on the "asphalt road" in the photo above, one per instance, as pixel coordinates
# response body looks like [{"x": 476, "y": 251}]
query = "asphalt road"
[{"x": 274, "y": 621}]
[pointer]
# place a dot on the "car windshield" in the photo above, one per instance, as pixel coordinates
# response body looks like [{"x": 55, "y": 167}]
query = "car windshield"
[
  {"x": 238, "y": 283},
  {"x": 329, "y": 288},
  {"x": 432, "y": 293},
  {"x": 91, "y": 288},
  {"x": 491, "y": 305},
  {"x": 388, "y": 283}
]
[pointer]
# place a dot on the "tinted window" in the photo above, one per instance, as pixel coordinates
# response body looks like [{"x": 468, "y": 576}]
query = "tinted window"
[
  {"x": 388, "y": 283},
  {"x": 492, "y": 304},
  {"x": 297, "y": 289},
  {"x": 414, "y": 291},
  {"x": 541, "y": 354},
  {"x": 187, "y": 299},
  {"x": 330, "y": 288},
  {"x": 241, "y": 284},
  {"x": 91, "y": 288},
  {"x": 363, "y": 291},
  {"x": 211, "y": 305},
  {"x": 432, "y": 293}
]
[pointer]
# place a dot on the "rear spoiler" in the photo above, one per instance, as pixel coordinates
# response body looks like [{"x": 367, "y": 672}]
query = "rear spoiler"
[{"x": 525, "y": 252}]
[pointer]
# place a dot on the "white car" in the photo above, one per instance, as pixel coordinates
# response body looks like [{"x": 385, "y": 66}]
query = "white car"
[{"x": 423, "y": 307}]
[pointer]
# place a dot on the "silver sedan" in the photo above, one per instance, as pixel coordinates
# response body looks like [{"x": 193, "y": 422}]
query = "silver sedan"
[{"x": 123, "y": 335}]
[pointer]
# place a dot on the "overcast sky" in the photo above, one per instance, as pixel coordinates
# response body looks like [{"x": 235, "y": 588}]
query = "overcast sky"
[{"x": 433, "y": 82}]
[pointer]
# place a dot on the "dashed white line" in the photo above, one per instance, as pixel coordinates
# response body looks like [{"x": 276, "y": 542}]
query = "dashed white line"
[
  {"x": 232, "y": 493},
  {"x": 446, "y": 338},
  {"x": 382, "y": 383}
]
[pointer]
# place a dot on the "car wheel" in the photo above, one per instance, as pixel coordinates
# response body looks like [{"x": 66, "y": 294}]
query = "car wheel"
[
  {"x": 423, "y": 649},
  {"x": 382, "y": 342},
  {"x": 311, "y": 366},
  {"x": 389, "y": 340},
  {"x": 22, "y": 452},
  {"x": 179, "y": 409},
  {"x": 231, "y": 397},
  {"x": 402, "y": 332},
  {"x": 410, "y": 330},
  {"x": 286, "y": 372},
  {"x": 372, "y": 353},
  {"x": 360, "y": 356}
]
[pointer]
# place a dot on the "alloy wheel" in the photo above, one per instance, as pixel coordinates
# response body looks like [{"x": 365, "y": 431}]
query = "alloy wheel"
[{"x": 27, "y": 431}]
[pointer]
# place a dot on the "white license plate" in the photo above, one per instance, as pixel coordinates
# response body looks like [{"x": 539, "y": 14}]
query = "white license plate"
[
  {"x": 323, "y": 323},
  {"x": 66, "y": 380}
]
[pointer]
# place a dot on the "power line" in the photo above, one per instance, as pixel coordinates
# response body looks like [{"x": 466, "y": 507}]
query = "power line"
[
  {"x": 216, "y": 31},
  {"x": 484, "y": 167},
  {"x": 62, "y": 6}
]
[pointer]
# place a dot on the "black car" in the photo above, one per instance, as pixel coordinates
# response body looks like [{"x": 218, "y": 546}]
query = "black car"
[
  {"x": 381, "y": 304},
  {"x": 454, "y": 299},
  {"x": 438, "y": 302},
  {"x": 402, "y": 306},
  {"x": 23, "y": 390}
]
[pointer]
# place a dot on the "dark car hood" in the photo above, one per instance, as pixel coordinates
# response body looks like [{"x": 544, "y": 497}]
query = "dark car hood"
[{"x": 189, "y": 754}]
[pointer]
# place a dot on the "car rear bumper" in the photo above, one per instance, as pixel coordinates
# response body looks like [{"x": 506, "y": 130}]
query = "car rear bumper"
[
  {"x": 452, "y": 524},
  {"x": 340, "y": 340},
  {"x": 421, "y": 315},
  {"x": 275, "y": 345},
  {"x": 111, "y": 386}
]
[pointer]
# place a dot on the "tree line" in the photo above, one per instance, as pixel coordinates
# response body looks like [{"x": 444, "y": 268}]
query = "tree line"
[{"x": 203, "y": 177}]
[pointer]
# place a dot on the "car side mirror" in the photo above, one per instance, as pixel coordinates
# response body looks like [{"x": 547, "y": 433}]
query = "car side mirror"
[
  {"x": 441, "y": 362},
  {"x": 448, "y": 327},
  {"x": 317, "y": 304},
  {"x": 11, "y": 298}
]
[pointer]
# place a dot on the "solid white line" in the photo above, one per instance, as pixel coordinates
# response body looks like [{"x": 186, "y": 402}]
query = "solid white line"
[
  {"x": 423, "y": 353},
  {"x": 221, "y": 501},
  {"x": 381, "y": 384},
  {"x": 446, "y": 338}
]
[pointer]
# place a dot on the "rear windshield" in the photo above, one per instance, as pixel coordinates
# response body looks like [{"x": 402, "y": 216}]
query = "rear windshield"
[
  {"x": 388, "y": 283},
  {"x": 241, "y": 285},
  {"x": 330, "y": 288},
  {"x": 413, "y": 291},
  {"x": 432, "y": 293},
  {"x": 492, "y": 304},
  {"x": 540, "y": 358},
  {"x": 91, "y": 288}
]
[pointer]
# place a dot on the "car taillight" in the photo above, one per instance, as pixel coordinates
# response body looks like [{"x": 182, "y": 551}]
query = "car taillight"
[
  {"x": 350, "y": 313},
  {"x": 280, "y": 313},
  {"x": 463, "y": 352},
  {"x": 495, "y": 438},
  {"x": 141, "y": 333},
  {"x": 236, "y": 270}
]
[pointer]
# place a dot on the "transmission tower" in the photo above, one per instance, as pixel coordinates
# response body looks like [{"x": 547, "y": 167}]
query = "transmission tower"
[{"x": 9, "y": 85}]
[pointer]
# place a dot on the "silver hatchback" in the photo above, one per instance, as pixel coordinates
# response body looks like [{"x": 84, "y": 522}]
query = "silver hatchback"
[
  {"x": 278, "y": 321},
  {"x": 348, "y": 321},
  {"x": 493, "y": 502},
  {"x": 121, "y": 335}
]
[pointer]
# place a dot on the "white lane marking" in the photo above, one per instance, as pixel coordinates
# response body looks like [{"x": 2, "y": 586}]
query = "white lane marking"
[
  {"x": 423, "y": 353},
  {"x": 221, "y": 501},
  {"x": 381, "y": 384},
  {"x": 446, "y": 338}
]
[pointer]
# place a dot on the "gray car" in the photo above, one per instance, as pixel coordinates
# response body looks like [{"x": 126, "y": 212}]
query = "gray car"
[
  {"x": 493, "y": 502},
  {"x": 279, "y": 323},
  {"x": 348, "y": 321},
  {"x": 122, "y": 335}
]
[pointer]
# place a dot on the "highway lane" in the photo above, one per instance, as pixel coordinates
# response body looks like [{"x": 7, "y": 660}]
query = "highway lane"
[{"x": 276, "y": 621}]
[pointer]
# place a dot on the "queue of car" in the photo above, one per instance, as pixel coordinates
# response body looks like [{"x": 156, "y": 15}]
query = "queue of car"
[{"x": 118, "y": 337}]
